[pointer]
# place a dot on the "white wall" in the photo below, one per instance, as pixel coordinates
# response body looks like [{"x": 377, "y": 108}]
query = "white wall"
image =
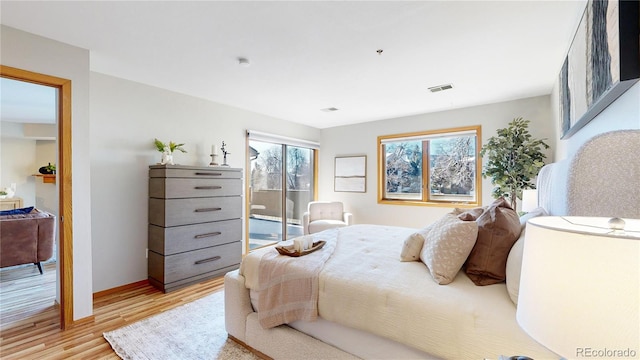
[
  {"x": 17, "y": 166},
  {"x": 46, "y": 193},
  {"x": 125, "y": 118},
  {"x": 361, "y": 139},
  {"x": 21, "y": 159},
  {"x": 34, "y": 53}
]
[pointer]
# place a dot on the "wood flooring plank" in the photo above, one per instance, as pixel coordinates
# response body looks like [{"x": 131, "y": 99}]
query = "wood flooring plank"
[{"x": 40, "y": 336}]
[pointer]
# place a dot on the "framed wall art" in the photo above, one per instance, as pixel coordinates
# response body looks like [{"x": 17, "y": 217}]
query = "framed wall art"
[
  {"x": 350, "y": 173},
  {"x": 602, "y": 63}
]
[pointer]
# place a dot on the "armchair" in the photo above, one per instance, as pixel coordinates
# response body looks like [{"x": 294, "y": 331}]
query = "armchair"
[{"x": 322, "y": 215}]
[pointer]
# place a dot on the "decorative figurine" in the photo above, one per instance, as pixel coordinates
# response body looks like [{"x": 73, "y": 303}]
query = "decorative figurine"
[{"x": 224, "y": 152}]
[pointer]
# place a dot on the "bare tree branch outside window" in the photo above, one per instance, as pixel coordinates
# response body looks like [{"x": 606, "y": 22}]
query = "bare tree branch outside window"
[{"x": 432, "y": 167}]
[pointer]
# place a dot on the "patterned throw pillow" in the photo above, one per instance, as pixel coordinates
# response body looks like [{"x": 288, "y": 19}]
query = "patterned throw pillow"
[{"x": 447, "y": 244}]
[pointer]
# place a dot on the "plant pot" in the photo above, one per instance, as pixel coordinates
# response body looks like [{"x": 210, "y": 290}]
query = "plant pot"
[{"x": 43, "y": 170}]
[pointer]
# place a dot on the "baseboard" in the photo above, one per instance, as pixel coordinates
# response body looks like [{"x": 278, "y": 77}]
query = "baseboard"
[
  {"x": 136, "y": 284},
  {"x": 79, "y": 322}
]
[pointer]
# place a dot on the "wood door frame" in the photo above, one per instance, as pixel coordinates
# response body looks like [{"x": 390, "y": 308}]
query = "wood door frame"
[{"x": 65, "y": 214}]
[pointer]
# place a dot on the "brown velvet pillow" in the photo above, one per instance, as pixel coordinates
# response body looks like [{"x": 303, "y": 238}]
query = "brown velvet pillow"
[
  {"x": 498, "y": 230},
  {"x": 471, "y": 214}
]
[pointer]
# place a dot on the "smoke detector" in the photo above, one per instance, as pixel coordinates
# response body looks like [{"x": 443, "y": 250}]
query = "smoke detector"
[
  {"x": 244, "y": 62},
  {"x": 329, "y": 109}
]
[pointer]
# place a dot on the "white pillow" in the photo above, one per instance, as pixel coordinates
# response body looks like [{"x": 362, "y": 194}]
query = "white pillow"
[
  {"x": 514, "y": 268},
  {"x": 412, "y": 247},
  {"x": 447, "y": 244},
  {"x": 514, "y": 260},
  {"x": 531, "y": 214}
]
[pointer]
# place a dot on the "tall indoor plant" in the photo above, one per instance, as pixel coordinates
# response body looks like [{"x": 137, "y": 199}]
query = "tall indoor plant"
[{"x": 514, "y": 160}]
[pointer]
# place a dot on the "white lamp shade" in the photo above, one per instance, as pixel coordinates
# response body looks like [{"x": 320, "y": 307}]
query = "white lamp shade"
[
  {"x": 580, "y": 287},
  {"x": 529, "y": 200}
]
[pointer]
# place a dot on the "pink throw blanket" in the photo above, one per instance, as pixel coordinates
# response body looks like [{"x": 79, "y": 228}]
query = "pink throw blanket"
[{"x": 288, "y": 286}]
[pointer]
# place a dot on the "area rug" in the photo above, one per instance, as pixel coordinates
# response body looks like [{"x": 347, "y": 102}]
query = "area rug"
[{"x": 191, "y": 331}]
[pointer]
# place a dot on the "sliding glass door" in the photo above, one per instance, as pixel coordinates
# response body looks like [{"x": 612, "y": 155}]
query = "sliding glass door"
[
  {"x": 281, "y": 184},
  {"x": 299, "y": 188}
]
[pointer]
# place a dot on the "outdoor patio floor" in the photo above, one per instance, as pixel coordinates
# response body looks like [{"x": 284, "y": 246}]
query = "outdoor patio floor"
[{"x": 265, "y": 232}]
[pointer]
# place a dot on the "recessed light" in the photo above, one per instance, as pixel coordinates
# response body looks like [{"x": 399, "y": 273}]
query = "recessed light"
[
  {"x": 329, "y": 109},
  {"x": 441, "y": 87}
]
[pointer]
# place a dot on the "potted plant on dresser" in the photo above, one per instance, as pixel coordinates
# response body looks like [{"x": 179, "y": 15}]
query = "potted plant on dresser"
[{"x": 167, "y": 150}]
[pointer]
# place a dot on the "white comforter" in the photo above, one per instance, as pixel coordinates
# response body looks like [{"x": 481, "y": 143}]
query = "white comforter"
[{"x": 364, "y": 285}]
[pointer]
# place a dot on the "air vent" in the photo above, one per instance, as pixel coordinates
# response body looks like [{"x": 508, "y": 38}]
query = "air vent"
[
  {"x": 440, "y": 88},
  {"x": 329, "y": 109}
]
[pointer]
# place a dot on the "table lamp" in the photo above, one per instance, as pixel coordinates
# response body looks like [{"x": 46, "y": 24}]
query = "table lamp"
[{"x": 580, "y": 286}]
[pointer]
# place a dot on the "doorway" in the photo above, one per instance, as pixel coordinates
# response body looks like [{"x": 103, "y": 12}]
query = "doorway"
[
  {"x": 65, "y": 239},
  {"x": 281, "y": 179}
]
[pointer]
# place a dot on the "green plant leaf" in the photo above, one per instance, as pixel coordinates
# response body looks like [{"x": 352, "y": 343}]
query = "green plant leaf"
[
  {"x": 159, "y": 145},
  {"x": 514, "y": 158},
  {"x": 172, "y": 146}
]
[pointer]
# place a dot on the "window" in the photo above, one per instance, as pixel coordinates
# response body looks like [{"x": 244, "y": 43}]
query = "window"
[{"x": 437, "y": 167}]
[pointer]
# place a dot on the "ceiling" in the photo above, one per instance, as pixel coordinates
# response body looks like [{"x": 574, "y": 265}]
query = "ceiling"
[{"x": 310, "y": 55}]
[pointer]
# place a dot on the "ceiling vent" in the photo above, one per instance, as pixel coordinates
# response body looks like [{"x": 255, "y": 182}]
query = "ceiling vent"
[
  {"x": 329, "y": 109},
  {"x": 434, "y": 89}
]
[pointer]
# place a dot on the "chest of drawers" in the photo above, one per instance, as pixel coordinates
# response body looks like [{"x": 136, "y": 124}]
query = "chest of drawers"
[{"x": 195, "y": 224}]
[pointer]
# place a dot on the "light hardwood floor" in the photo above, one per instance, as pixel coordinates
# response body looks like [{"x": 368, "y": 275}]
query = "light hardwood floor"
[
  {"x": 40, "y": 336},
  {"x": 25, "y": 294}
]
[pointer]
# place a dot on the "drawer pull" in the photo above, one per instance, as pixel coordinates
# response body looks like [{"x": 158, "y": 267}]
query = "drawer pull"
[
  {"x": 209, "y": 174},
  {"x": 208, "y": 209},
  {"x": 208, "y": 235},
  {"x": 207, "y": 260},
  {"x": 208, "y": 187}
]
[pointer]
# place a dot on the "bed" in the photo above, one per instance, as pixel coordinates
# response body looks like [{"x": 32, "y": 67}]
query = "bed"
[{"x": 378, "y": 307}]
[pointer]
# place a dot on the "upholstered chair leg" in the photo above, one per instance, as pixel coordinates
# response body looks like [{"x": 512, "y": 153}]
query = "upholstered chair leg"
[{"x": 39, "y": 267}]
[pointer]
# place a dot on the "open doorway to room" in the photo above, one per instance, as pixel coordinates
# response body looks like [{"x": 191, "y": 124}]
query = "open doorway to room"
[
  {"x": 281, "y": 180},
  {"x": 29, "y": 121},
  {"x": 36, "y": 135}
]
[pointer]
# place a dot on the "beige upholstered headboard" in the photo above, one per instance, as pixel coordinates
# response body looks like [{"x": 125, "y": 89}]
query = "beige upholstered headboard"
[{"x": 602, "y": 179}]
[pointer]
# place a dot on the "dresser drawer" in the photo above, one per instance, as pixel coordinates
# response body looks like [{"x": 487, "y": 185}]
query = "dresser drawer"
[
  {"x": 177, "y": 171},
  {"x": 168, "y": 269},
  {"x": 175, "y": 212},
  {"x": 173, "y": 188},
  {"x": 177, "y": 239}
]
